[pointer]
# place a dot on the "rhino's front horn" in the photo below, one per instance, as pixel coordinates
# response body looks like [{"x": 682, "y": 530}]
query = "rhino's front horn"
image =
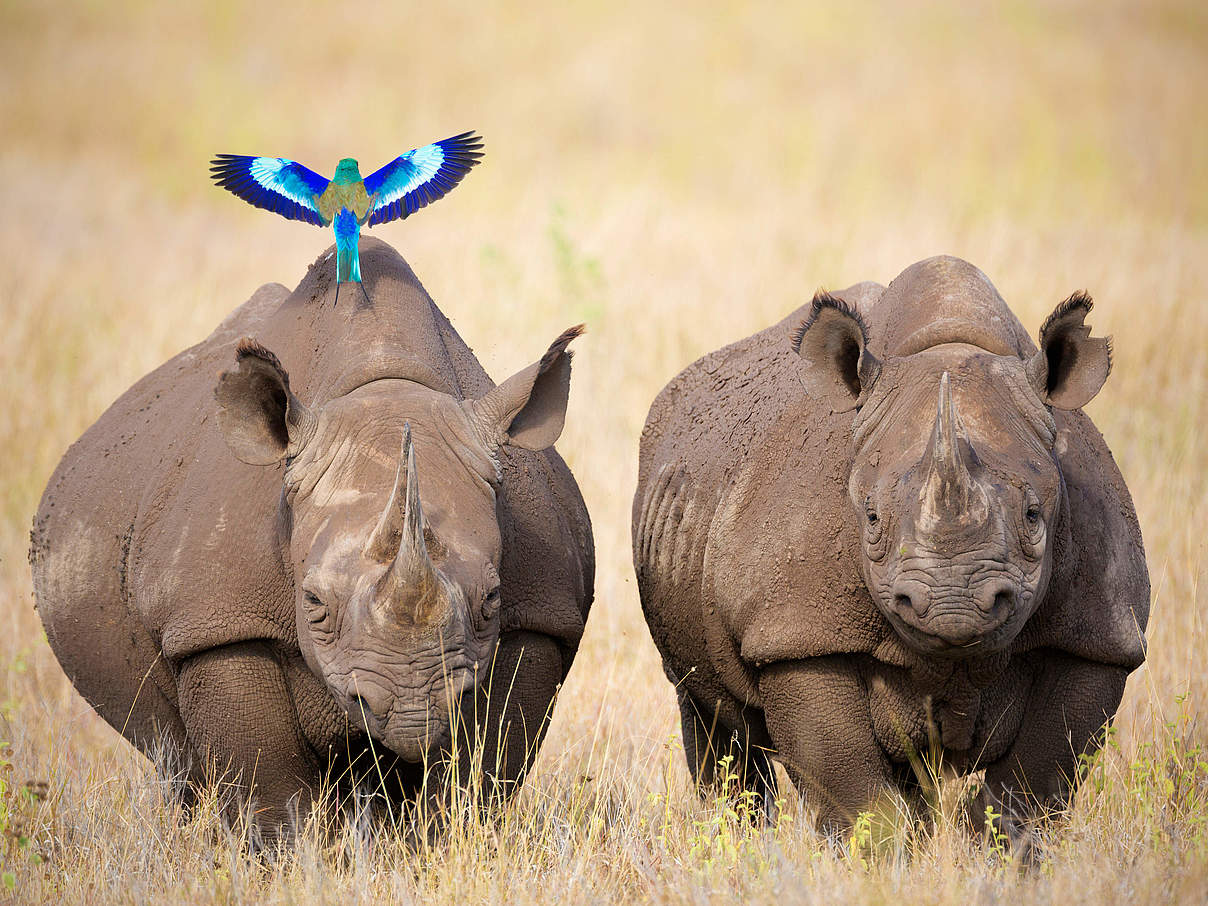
[
  {"x": 949, "y": 487},
  {"x": 411, "y": 589}
]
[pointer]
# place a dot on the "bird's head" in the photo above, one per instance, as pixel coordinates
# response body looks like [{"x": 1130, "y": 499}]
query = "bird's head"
[{"x": 347, "y": 171}]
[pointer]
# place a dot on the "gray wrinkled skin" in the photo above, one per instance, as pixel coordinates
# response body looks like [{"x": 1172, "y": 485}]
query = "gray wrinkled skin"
[
  {"x": 884, "y": 528},
  {"x": 316, "y": 575}
]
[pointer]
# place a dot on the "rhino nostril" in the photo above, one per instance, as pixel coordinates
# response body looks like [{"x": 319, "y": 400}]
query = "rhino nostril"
[
  {"x": 360, "y": 707},
  {"x": 911, "y": 598},
  {"x": 998, "y": 599},
  {"x": 368, "y": 706},
  {"x": 904, "y": 603},
  {"x": 1004, "y": 600}
]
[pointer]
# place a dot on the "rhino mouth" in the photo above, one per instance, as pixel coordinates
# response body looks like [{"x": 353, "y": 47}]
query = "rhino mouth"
[
  {"x": 413, "y": 729},
  {"x": 953, "y": 622}
]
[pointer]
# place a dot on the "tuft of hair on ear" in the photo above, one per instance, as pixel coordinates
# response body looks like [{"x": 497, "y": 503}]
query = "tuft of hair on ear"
[
  {"x": 558, "y": 348},
  {"x": 249, "y": 348},
  {"x": 1080, "y": 299},
  {"x": 822, "y": 299}
]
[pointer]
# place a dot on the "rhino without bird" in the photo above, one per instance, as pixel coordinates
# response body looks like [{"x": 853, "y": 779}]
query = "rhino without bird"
[
  {"x": 883, "y": 528},
  {"x": 393, "y": 550}
]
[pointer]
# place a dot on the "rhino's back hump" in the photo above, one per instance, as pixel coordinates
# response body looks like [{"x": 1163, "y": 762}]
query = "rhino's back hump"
[
  {"x": 942, "y": 300},
  {"x": 708, "y": 413},
  {"x": 738, "y": 390}
]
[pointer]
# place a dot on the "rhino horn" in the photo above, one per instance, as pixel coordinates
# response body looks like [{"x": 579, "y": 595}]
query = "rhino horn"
[
  {"x": 411, "y": 590},
  {"x": 949, "y": 485}
]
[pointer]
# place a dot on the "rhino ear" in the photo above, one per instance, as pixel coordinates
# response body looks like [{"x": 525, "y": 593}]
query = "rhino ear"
[
  {"x": 259, "y": 416},
  {"x": 528, "y": 409},
  {"x": 835, "y": 341},
  {"x": 1071, "y": 365}
]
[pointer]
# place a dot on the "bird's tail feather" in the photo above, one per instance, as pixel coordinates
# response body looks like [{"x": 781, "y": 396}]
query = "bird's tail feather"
[
  {"x": 348, "y": 264},
  {"x": 348, "y": 259}
]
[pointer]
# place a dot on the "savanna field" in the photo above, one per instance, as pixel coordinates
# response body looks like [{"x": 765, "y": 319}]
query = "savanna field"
[{"x": 676, "y": 178}]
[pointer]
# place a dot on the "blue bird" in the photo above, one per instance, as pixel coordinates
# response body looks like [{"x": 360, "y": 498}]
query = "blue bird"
[{"x": 347, "y": 202}]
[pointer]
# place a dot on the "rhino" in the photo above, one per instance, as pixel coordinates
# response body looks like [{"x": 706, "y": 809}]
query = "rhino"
[
  {"x": 881, "y": 535},
  {"x": 329, "y": 574}
]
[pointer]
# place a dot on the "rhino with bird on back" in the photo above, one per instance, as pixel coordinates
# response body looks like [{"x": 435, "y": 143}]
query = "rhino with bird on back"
[
  {"x": 883, "y": 531},
  {"x": 333, "y": 573}
]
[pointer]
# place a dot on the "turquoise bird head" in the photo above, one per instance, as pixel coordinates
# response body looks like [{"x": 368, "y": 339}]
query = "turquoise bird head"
[{"x": 347, "y": 172}]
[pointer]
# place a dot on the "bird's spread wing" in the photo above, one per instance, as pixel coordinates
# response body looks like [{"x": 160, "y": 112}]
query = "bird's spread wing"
[
  {"x": 273, "y": 183},
  {"x": 420, "y": 177}
]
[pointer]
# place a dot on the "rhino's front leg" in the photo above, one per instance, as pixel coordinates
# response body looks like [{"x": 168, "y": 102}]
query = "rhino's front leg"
[
  {"x": 1069, "y": 702},
  {"x": 817, "y": 713},
  {"x": 241, "y": 725},
  {"x": 504, "y": 721},
  {"x": 709, "y": 742}
]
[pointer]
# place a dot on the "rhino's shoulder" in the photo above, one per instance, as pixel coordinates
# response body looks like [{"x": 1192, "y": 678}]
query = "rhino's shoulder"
[
  {"x": 719, "y": 409},
  {"x": 725, "y": 413},
  {"x": 158, "y": 418},
  {"x": 548, "y": 564},
  {"x": 712, "y": 408},
  {"x": 146, "y": 478},
  {"x": 743, "y": 459},
  {"x": 1097, "y": 605}
]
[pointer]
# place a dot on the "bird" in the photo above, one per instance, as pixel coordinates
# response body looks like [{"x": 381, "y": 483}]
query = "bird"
[{"x": 347, "y": 202}]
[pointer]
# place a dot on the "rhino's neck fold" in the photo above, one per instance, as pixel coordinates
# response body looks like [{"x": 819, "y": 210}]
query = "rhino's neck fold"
[{"x": 944, "y": 300}]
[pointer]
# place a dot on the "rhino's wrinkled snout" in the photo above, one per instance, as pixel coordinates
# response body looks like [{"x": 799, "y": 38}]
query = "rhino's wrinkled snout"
[
  {"x": 409, "y": 724},
  {"x": 941, "y": 617}
]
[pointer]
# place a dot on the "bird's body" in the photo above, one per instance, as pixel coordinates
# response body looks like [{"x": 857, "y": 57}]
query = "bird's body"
[{"x": 346, "y": 202}]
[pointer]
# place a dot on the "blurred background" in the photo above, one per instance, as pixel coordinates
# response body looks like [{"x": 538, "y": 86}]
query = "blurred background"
[{"x": 677, "y": 175}]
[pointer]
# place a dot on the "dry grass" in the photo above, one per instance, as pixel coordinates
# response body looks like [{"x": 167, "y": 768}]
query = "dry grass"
[{"x": 677, "y": 178}]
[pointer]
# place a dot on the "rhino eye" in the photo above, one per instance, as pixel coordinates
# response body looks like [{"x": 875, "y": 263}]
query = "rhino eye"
[
  {"x": 490, "y": 604},
  {"x": 1032, "y": 531},
  {"x": 1032, "y": 513},
  {"x": 873, "y": 531},
  {"x": 316, "y": 610}
]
